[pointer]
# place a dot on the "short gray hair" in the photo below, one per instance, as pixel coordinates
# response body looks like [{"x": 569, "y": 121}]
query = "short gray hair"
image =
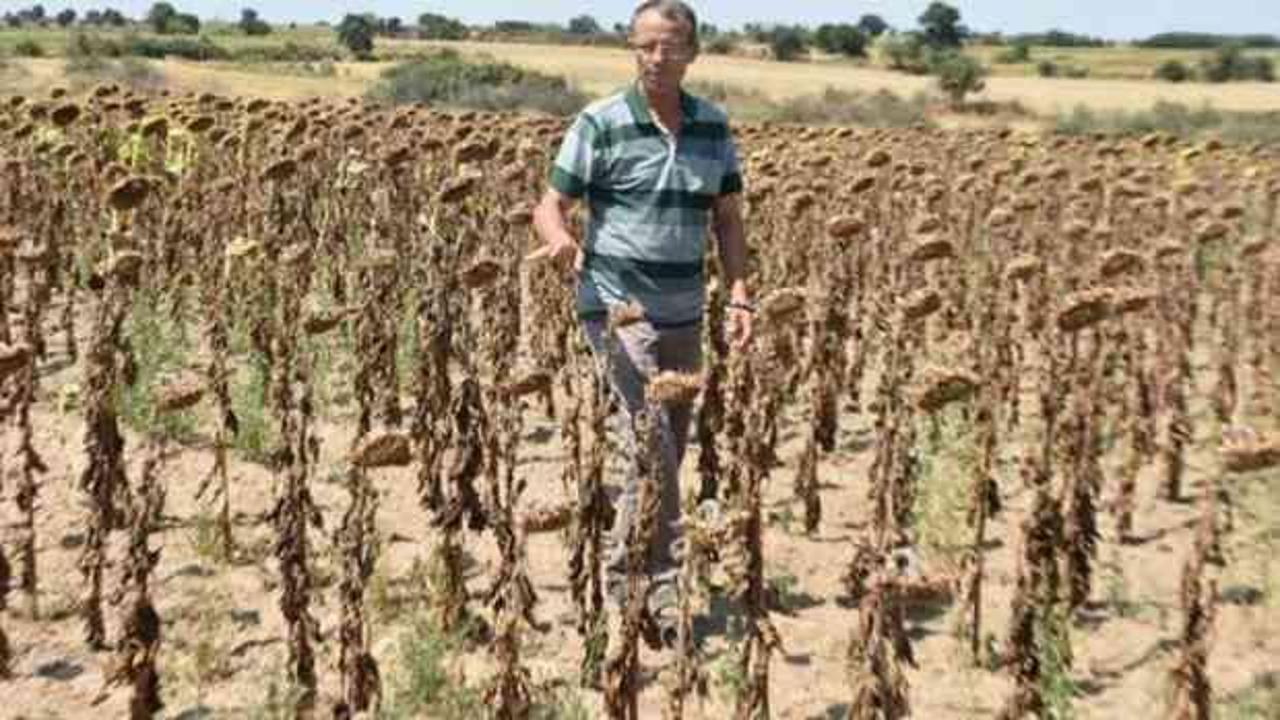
[{"x": 673, "y": 10}]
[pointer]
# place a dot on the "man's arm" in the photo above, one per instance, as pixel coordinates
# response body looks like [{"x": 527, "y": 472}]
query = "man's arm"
[
  {"x": 731, "y": 237},
  {"x": 732, "y": 241},
  {"x": 551, "y": 220}
]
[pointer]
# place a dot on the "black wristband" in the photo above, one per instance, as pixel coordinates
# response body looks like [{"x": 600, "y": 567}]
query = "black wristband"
[{"x": 743, "y": 306}]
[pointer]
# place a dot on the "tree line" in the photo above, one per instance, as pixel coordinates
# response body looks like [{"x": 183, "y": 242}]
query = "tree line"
[
  {"x": 932, "y": 47},
  {"x": 940, "y": 25}
]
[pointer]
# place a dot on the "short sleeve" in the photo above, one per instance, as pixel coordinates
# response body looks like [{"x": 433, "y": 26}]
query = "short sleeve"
[
  {"x": 731, "y": 179},
  {"x": 575, "y": 163}
]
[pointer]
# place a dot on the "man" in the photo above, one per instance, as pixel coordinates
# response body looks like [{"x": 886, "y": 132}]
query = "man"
[{"x": 656, "y": 166}]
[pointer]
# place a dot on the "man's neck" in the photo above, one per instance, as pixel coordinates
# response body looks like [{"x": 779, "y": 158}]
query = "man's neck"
[{"x": 666, "y": 109}]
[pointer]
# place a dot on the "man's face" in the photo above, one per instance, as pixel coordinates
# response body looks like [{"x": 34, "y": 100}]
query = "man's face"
[{"x": 663, "y": 52}]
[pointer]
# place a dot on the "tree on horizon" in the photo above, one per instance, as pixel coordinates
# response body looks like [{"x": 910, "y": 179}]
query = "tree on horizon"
[{"x": 941, "y": 25}]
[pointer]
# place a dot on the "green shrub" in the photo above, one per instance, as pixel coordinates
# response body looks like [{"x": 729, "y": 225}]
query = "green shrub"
[
  {"x": 93, "y": 44},
  {"x": 903, "y": 51},
  {"x": 958, "y": 76},
  {"x": 447, "y": 78},
  {"x": 324, "y": 68},
  {"x": 28, "y": 47},
  {"x": 786, "y": 43},
  {"x": 1184, "y": 40},
  {"x": 432, "y": 26},
  {"x": 288, "y": 51},
  {"x": 1017, "y": 54},
  {"x": 1049, "y": 69},
  {"x": 1174, "y": 71},
  {"x": 847, "y": 107},
  {"x": 831, "y": 107},
  {"x": 85, "y": 65},
  {"x": 355, "y": 32},
  {"x": 158, "y": 48},
  {"x": 1175, "y": 119},
  {"x": 841, "y": 39},
  {"x": 92, "y": 59},
  {"x": 721, "y": 45},
  {"x": 1230, "y": 63},
  {"x": 251, "y": 24},
  {"x": 138, "y": 73}
]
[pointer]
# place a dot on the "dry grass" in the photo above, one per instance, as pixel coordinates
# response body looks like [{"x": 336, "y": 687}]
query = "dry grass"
[
  {"x": 351, "y": 79},
  {"x": 1121, "y": 62},
  {"x": 599, "y": 71}
]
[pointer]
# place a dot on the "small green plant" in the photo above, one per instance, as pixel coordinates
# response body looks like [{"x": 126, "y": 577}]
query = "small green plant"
[
  {"x": 383, "y": 602},
  {"x": 408, "y": 349},
  {"x": 160, "y": 349},
  {"x": 941, "y": 505},
  {"x": 391, "y": 599},
  {"x": 784, "y": 587},
  {"x": 1117, "y": 593},
  {"x": 426, "y": 685},
  {"x": 1260, "y": 701},
  {"x": 1057, "y": 687},
  {"x": 205, "y": 539},
  {"x": 256, "y": 436},
  {"x": 206, "y": 658},
  {"x": 550, "y": 704},
  {"x": 991, "y": 659},
  {"x": 785, "y": 518},
  {"x": 281, "y": 700},
  {"x": 729, "y": 676}
]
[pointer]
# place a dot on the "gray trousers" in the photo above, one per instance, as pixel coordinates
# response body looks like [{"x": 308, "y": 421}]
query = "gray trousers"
[{"x": 641, "y": 352}]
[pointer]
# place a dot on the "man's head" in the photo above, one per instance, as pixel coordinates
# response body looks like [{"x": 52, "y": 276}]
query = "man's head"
[{"x": 664, "y": 36}]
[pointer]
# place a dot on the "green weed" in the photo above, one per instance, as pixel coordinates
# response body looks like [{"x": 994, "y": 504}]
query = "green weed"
[
  {"x": 426, "y": 684},
  {"x": 160, "y": 349},
  {"x": 1057, "y": 687},
  {"x": 255, "y": 437}
]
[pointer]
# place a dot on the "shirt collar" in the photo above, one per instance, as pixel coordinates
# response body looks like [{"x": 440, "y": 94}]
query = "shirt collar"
[{"x": 638, "y": 102}]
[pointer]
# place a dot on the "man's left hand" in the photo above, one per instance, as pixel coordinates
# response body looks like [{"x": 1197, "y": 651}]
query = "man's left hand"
[{"x": 740, "y": 320}]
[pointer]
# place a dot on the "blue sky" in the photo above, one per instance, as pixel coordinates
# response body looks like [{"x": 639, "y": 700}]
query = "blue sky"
[{"x": 1118, "y": 19}]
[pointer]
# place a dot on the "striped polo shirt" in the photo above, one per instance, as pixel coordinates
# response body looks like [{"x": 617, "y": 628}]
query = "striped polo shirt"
[{"x": 649, "y": 197}]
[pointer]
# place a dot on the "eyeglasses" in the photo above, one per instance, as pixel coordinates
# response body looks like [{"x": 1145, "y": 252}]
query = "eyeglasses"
[{"x": 668, "y": 50}]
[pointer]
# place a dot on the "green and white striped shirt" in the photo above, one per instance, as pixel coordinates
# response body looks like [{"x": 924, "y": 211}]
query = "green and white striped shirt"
[{"x": 650, "y": 197}]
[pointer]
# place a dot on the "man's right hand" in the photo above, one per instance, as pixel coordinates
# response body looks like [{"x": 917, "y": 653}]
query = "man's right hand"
[
  {"x": 560, "y": 249},
  {"x": 551, "y": 220}
]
